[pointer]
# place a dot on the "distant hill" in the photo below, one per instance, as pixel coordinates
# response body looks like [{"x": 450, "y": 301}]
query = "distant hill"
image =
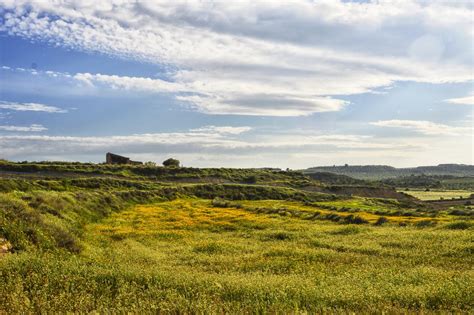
[
  {"x": 336, "y": 179},
  {"x": 376, "y": 172}
]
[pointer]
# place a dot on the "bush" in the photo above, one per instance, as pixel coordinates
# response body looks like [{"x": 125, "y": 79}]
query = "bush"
[
  {"x": 459, "y": 212},
  {"x": 171, "y": 163},
  {"x": 251, "y": 179},
  {"x": 220, "y": 203},
  {"x": 66, "y": 240},
  {"x": 460, "y": 225},
  {"x": 333, "y": 217},
  {"x": 381, "y": 221},
  {"x": 351, "y": 219},
  {"x": 425, "y": 223},
  {"x": 349, "y": 230}
]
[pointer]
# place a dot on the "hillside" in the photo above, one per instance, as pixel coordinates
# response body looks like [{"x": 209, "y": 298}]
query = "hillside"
[
  {"x": 377, "y": 172},
  {"x": 335, "y": 179},
  {"x": 88, "y": 238}
]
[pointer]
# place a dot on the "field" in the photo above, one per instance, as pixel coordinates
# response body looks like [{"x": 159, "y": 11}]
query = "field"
[
  {"x": 89, "y": 244},
  {"x": 434, "y": 194}
]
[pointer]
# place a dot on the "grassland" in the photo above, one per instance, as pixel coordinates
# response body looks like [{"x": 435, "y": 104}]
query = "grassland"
[
  {"x": 141, "y": 245},
  {"x": 434, "y": 194}
]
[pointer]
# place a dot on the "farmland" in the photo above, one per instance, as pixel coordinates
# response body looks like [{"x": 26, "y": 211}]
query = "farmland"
[
  {"x": 145, "y": 243},
  {"x": 437, "y": 194}
]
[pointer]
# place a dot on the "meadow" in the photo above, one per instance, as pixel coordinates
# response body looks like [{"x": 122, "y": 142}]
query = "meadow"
[
  {"x": 434, "y": 194},
  {"x": 137, "y": 245}
]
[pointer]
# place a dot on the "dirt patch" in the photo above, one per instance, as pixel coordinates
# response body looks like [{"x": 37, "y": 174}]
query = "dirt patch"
[
  {"x": 369, "y": 191},
  {"x": 5, "y": 246}
]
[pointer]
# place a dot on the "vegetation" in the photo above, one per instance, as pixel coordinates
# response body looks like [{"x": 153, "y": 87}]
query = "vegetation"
[
  {"x": 435, "y": 194},
  {"x": 140, "y": 239},
  {"x": 171, "y": 163},
  {"x": 377, "y": 172},
  {"x": 63, "y": 170},
  {"x": 336, "y": 179}
]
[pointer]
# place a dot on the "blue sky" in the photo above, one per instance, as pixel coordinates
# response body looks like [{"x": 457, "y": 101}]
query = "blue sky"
[{"x": 246, "y": 84}]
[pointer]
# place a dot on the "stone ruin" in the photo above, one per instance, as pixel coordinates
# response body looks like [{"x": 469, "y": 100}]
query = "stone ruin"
[{"x": 111, "y": 158}]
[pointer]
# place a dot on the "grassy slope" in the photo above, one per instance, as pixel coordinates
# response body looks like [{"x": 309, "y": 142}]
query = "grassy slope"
[
  {"x": 377, "y": 172},
  {"x": 132, "y": 243},
  {"x": 187, "y": 255},
  {"x": 435, "y": 194}
]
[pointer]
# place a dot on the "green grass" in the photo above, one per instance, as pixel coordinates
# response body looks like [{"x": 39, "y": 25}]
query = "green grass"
[
  {"x": 188, "y": 255},
  {"x": 116, "y": 239},
  {"x": 169, "y": 174},
  {"x": 434, "y": 194}
]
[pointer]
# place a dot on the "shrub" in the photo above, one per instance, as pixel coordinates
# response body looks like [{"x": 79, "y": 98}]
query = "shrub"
[
  {"x": 333, "y": 217},
  {"x": 348, "y": 230},
  {"x": 351, "y": 219},
  {"x": 425, "y": 223},
  {"x": 66, "y": 240},
  {"x": 251, "y": 179},
  {"x": 460, "y": 225},
  {"x": 171, "y": 163},
  {"x": 459, "y": 212},
  {"x": 381, "y": 221},
  {"x": 221, "y": 203}
]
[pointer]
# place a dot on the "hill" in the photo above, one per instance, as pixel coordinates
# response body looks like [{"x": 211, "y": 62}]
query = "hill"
[
  {"x": 377, "y": 172},
  {"x": 95, "y": 238}
]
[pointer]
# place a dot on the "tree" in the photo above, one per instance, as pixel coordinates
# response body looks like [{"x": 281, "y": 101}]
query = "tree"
[{"x": 171, "y": 163}]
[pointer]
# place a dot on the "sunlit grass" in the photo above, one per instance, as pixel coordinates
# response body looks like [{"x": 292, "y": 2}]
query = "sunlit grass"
[
  {"x": 243, "y": 259},
  {"x": 189, "y": 255},
  {"x": 438, "y": 194}
]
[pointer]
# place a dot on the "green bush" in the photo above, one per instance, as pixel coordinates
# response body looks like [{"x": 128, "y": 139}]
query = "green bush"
[
  {"x": 348, "y": 230},
  {"x": 171, "y": 163},
  {"x": 351, "y": 219},
  {"x": 251, "y": 179},
  {"x": 460, "y": 225},
  {"x": 381, "y": 221},
  {"x": 425, "y": 223}
]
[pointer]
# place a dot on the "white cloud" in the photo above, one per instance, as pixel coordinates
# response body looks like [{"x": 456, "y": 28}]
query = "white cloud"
[
  {"x": 34, "y": 107},
  {"x": 235, "y": 146},
  {"x": 223, "y": 97},
  {"x": 129, "y": 83},
  {"x": 223, "y": 129},
  {"x": 424, "y": 127},
  {"x": 30, "y": 128},
  {"x": 467, "y": 100},
  {"x": 207, "y": 140},
  {"x": 261, "y": 58}
]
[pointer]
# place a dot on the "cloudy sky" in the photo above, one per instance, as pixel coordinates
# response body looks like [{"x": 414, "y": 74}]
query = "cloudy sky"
[{"x": 238, "y": 83}]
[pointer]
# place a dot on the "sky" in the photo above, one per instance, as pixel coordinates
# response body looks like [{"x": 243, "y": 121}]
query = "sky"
[{"x": 289, "y": 84}]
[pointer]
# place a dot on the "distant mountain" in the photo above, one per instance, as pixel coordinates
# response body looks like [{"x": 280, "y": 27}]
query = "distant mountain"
[{"x": 376, "y": 172}]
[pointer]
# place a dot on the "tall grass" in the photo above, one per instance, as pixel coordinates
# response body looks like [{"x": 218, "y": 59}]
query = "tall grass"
[{"x": 188, "y": 255}]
